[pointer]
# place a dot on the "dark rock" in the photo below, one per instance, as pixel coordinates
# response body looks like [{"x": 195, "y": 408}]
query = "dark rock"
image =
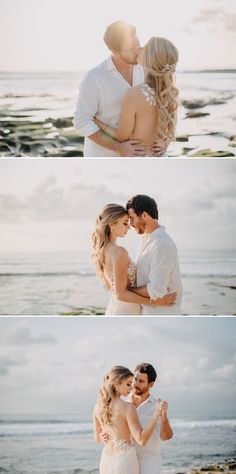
[
  {"x": 198, "y": 103},
  {"x": 62, "y": 122},
  {"x": 4, "y": 147},
  {"x": 186, "y": 150},
  {"x": 196, "y": 114},
  {"x": 210, "y": 153},
  {"x": 91, "y": 310},
  {"x": 182, "y": 138}
]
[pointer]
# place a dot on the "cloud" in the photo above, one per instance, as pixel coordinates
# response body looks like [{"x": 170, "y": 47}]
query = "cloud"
[
  {"x": 49, "y": 201},
  {"x": 224, "y": 372},
  {"x": 217, "y": 19},
  {"x": 21, "y": 336},
  {"x": 7, "y": 362},
  {"x": 68, "y": 375}
]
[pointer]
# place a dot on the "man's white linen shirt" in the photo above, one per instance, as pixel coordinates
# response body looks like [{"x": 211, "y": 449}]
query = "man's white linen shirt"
[
  {"x": 158, "y": 269},
  {"x": 149, "y": 457},
  {"x": 100, "y": 92}
]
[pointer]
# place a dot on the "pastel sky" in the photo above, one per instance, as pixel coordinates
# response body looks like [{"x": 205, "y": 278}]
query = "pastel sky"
[
  {"x": 55, "y": 365},
  {"x": 51, "y": 205},
  {"x": 67, "y": 34}
]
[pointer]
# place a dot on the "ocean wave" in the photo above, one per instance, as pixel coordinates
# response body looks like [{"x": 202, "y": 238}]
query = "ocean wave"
[
  {"x": 192, "y": 424},
  {"x": 43, "y": 429},
  {"x": 83, "y": 273},
  {"x": 209, "y": 275},
  {"x": 88, "y": 273},
  {"x": 22, "y": 96},
  {"x": 10, "y": 428}
]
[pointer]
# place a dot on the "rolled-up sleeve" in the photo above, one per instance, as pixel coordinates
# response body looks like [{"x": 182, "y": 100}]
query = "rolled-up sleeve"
[
  {"x": 86, "y": 106},
  {"x": 160, "y": 266}
]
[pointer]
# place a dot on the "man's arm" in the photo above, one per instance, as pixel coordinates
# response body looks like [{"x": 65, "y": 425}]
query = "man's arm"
[
  {"x": 167, "y": 300},
  {"x": 128, "y": 148},
  {"x": 161, "y": 264},
  {"x": 86, "y": 109},
  {"x": 166, "y": 431}
]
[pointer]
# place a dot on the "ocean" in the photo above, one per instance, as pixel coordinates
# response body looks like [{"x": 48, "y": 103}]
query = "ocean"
[
  {"x": 31, "y": 103},
  {"x": 64, "y": 444},
  {"x": 66, "y": 283}
]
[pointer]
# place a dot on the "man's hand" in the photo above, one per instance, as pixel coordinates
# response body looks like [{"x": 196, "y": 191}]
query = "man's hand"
[
  {"x": 131, "y": 148},
  {"x": 159, "y": 149},
  {"x": 166, "y": 431},
  {"x": 163, "y": 407},
  {"x": 103, "y": 437}
]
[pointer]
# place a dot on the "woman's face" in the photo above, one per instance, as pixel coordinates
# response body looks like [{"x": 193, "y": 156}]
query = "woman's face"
[
  {"x": 125, "y": 387},
  {"x": 121, "y": 227}
]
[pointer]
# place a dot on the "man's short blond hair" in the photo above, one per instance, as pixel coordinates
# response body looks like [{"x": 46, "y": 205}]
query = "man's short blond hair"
[{"x": 116, "y": 33}]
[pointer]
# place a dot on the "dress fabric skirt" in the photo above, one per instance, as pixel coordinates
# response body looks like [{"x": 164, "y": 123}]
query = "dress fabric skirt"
[{"x": 119, "y": 463}]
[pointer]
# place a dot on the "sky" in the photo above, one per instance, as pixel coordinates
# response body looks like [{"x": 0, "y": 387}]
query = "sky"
[
  {"x": 55, "y": 365},
  {"x": 51, "y": 205},
  {"x": 67, "y": 35}
]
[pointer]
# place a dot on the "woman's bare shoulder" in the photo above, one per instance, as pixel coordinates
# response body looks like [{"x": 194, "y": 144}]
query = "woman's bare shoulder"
[
  {"x": 119, "y": 253},
  {"x": 133, "y": 93},
  {"x": 126, "y": 405}
]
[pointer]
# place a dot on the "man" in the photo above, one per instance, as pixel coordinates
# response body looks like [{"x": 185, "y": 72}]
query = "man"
[
  {"x": 158, "y": 270},
  {"x": 149, "y": 455},
  {"x": 101, "y": 90}
]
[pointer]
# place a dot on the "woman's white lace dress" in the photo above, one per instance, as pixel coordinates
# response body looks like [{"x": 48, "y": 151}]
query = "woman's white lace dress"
[
  {"x": 123, "y": 461},
  {"x": 115, "y": 307}
]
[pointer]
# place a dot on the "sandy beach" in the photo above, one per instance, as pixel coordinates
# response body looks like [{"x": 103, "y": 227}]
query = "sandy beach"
[
  {"x": 66, "y": 284},
  {"x": 37, "y": 110}
]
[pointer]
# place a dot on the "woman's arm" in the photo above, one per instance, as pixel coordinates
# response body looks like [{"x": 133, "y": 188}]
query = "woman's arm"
[
  {"x": 140, "y": 434},
  {"x": 126, "y": 123},
  {"x": 96, "y": 427},
  {"x": 167, "y": 300},
  {"x": 120, "y": 279}
]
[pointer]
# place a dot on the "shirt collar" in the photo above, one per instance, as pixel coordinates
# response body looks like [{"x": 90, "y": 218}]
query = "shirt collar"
[
  {"x": 110, "y": 66},
  {"x": 150, "y": 399},
  {"x": 153, "y": 234}
]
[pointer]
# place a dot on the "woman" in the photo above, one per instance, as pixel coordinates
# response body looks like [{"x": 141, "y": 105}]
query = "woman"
[
  {"x": 149, "y": 110},
  {"x": 119, "y": 420},
  {"x": 114, "y": 266}
]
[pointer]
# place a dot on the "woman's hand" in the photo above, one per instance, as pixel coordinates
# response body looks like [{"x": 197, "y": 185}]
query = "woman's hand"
[{"x": 167, "y": 300}]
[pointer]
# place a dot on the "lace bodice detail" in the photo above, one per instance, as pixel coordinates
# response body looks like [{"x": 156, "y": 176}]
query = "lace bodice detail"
[
  {"x": 131, "y": 274},
  {"x": 123, "y": 445},
  {"x": 149, "y": 94}
]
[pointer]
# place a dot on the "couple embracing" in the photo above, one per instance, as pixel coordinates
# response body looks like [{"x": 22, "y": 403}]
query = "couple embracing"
[
  {"x": 152, "y": 286},
  {"x": 131, "y": 430},
  {"x": 127, "y": 105}
]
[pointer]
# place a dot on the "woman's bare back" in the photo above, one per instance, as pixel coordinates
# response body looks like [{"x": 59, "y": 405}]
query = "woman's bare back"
[
  {"x": 118, "y": 431},
  {"x": 145, "y": 126}
]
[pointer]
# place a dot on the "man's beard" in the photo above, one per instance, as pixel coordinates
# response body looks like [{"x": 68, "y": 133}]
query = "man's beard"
[
  {"x": 139, "y": 391},
  {"x": 131, "y": 62},
  {"x": 140, "y": 228}
]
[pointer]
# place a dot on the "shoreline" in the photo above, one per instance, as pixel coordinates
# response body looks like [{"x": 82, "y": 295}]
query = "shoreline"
[
  {"x": 36, "y": 115},
  {"x": 227, "y": 466},
  {"x": 22, "y": 137}
]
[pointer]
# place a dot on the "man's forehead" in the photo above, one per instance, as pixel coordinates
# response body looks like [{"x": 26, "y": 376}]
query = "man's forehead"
[
  {"x": 131, "y": 212},
  {"x": 140, "y": 376}
]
